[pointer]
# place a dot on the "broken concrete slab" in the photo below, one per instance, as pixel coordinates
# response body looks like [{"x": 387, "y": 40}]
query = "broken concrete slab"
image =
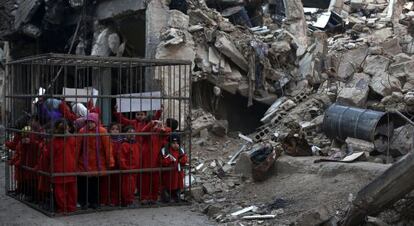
[
  {"x": 375, "y": 65},
  {"x": 355, "y": 93},
  {"x": 385, "y": 84},
  {"x": 357, "y": 145},
  {"x": 178, "y": 20},
  {"x": 244, "y": 165},
  {"x": 350, "y": 61},
  {"x": 197, "y": 193},
  {"x": 25, "y": 11},
  {"x": 197, "y": 16},
  {"x": 392, "y": 47},
  {"x": 227, "y": 47},
  {"x": 402, "y": 141},
  {"x": 315, "y": 216},
  {"x": 205, "y": 121},
  {"x": 280, "y": 47},
  {"x": 381, "y": 35},
  {"x": 110, "y": 9},
  {"x": 404, "y": 70}
]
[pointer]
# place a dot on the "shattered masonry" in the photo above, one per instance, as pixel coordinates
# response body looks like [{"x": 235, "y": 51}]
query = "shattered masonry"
[{"x": 296, "y": 59}]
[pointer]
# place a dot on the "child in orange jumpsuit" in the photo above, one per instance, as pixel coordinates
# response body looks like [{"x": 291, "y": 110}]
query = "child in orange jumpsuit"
[
  {"x": 172, "y": 155},
  {"x": 129, "y": 160},
  {"x": 116, "y": 142},
  {"x": 27, "y": 155},
  {"x": 63, "y": 151},
  {"x": 95, "y": 155}
]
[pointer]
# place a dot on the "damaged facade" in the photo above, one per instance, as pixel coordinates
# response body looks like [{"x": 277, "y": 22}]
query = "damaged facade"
[{"x": 288, "y": 65}]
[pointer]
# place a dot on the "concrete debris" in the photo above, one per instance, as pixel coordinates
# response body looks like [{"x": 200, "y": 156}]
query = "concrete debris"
[
  {"x": 384, "y": 84},
  {"x": 355, "y": 92},
  {"x": 315, "y": 216},
  {"x": 227, "y": 48},
  {"x": 296, "y": 61},
  {"x": 357, "y": 145}
]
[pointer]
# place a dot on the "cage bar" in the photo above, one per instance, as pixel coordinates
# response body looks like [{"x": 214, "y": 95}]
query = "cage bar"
[{"x": 90, "y": 133}]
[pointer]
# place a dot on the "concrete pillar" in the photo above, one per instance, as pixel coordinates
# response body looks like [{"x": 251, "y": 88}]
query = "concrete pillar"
[
  {"x": 296, "y": 21},
  {"x": 157, "y": 14}
]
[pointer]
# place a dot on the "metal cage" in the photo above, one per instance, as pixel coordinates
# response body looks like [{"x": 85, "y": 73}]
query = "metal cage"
[{"x": 97, "y": 133}]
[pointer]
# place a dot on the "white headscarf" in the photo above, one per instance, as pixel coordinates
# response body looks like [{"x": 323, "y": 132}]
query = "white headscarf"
[{"x": 80, "y": 110}]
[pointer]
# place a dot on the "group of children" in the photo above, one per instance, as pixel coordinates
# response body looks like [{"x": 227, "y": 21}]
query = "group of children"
[{"x": 82, "y": 164}]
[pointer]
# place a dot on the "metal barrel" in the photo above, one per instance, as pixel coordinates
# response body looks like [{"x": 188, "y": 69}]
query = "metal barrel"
[{"x": 341, "y": 122}]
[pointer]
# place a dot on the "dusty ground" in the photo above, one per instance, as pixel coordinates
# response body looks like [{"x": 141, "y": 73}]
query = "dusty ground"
[
  {"x": 297, "y": 186},
  {"x": 13, "y": 212}
]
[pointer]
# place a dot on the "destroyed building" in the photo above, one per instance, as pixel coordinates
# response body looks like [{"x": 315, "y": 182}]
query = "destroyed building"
[{"x": 328, "y": 79}]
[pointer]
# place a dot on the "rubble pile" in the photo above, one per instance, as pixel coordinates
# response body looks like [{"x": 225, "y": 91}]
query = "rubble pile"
[{"x": 364, "y": 61}]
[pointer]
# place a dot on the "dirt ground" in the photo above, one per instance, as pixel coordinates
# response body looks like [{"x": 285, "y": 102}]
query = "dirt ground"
[
  {"x": 297, "y": 186},
  {"x": 13, "y": 212}
]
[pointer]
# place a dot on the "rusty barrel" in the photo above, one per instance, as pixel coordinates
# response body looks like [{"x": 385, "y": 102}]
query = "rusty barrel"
[{"x": 341, "y": 122}]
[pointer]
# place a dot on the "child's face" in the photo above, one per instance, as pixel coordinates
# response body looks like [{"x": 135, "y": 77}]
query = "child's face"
[
  {"x": 114, "y": 129},
  {"x": 132, "y": 136},
  {"x": 140, "y": 116},
  {"x": 91, "y": 124},
  {"x": 175, "y": 145}
]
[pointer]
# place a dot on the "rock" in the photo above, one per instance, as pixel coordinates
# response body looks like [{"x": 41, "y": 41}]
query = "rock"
[
  {"x": 204, "y": 133},
  {"x": 376, "y": 65},
  {"x": 212, "y": 149},
  {"x": 172, "y": 37},
  {"x": 356, "y": 92},
  {"x": 401, "y": 58},
  {"x": 357, "y": 145},
  {"x": 402, "y": 141},
  {"x": 403, "y": 70},
  {"x": 197, "y": 193},
  {"x": 244, "y": 165},
  {"x": 111, "y": 9},
  {"x": 199, "y": 17},
  {"x": 213, "y": 210},
  {"x": 205, "y": 121},
  {"x": 409, "y": 98},
  {"x": 220, "y": 128},
  {"x": 280, "y": 47},
  {"x": 209, "y": 188},
  {"x": 385, "y": 84},
  {"x": 178, "y": 20},
  {"x": 392, "y": 47},
  {"x": 357, "y": 4},
  {"x": 227, "y": 47},
  {"x": 381, "y": 35},
  {"x": 313, "y": 217},
  {"x": 350, "y": 61},
  {"x": 376, "y": 50}
]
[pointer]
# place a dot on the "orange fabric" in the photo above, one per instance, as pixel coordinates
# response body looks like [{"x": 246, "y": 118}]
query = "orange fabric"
[
  {"x": 66, "y": 112},
  {"x": 150, "y": 185},
  {"x": 66, "y": 197},
  {"x": 129, "y": 159},
  {"x": 63, "y": 151},
  {"x": 89, "y": 156}
]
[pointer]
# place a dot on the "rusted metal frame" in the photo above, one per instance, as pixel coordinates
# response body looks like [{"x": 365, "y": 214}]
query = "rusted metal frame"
[
  {"x": 188, "y": 123},
  {"x": 23, "y": 96},
  {"x": 102, "y": 60}
]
